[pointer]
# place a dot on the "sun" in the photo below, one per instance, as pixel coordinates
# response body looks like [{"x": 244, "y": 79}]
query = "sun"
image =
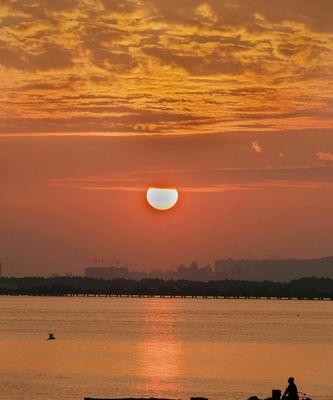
[{"x": 162, "y": 199}]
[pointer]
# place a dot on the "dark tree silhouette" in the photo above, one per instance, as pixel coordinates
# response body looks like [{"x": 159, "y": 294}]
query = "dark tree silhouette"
[{"x": 302, "y": 288}]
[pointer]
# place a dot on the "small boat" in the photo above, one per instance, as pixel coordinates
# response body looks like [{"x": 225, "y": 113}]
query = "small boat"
[{"x": 51, "y": 336}]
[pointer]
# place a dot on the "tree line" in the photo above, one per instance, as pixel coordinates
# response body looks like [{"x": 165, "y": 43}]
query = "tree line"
[{"x": 304, "y": 287}]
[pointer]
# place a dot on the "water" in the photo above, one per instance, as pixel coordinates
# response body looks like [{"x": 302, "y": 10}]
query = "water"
[{"x": 221, "y": 349}]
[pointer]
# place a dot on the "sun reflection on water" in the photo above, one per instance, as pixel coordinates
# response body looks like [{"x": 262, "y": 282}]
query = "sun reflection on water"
[{"x": 161, "y": 360}]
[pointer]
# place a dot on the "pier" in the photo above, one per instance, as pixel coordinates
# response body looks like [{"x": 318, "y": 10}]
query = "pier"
[{"x": 172, "y": 296}]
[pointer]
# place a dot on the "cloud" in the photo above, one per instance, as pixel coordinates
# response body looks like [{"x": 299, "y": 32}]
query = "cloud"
[
  {"x": 41, "y": 7},
  {"x": 51, "y": 57},
  {"x": 211, "y": 64},
  {"x": 48, "y": 57},
  {"x": 118, "y": 61},
  {"x": 117, "y": 159},
  {"x": 124, "y": 6},
  {"x": 206, "y": 181},
  {"x": 315, "y": 15},
  {"x": 113, "y": 120},
  {"x": 230, "y": 43},
  {"x": 324, "y": 156},
  {"x": 255, "y": 146},
  {"x": 227, "y": 65}
]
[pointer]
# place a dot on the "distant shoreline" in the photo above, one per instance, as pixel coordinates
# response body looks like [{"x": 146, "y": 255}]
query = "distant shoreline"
[{"x": 300, "y": 289}]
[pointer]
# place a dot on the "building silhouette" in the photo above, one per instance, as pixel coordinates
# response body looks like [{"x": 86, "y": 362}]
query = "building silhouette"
[
  {"x": 194, "y": 273},
  {"x": 110, "y": 272},
  {"x": 273, "y": 269},
  {"x": 277, "y": 270}
]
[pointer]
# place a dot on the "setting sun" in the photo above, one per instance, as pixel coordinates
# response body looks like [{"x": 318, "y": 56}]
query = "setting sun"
[{"x": 162, "y": 198}]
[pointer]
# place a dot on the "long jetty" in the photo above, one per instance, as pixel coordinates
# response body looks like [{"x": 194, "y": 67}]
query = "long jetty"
[{"x": 171, "y": 296}]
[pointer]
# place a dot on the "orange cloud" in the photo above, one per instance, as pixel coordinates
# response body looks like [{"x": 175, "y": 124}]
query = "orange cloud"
[
  {"x": 70, "y": 65},
  {"x": 324, "y": 156},
  {"x": 255, "y": 146},
  {"x": 205, "y": 180}
]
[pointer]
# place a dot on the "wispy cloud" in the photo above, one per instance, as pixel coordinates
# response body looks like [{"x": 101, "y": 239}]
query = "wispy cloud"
[
  {"x": 205, "y": 181},
  {"x": 255, "y": 146},
  {"x": 324, "y": 156}
]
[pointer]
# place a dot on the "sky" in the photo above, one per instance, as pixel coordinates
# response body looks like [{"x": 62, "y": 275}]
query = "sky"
[{"x": 229, "y": 101}]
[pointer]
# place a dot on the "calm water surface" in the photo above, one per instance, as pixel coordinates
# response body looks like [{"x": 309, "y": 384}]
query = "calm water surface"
[{"x": 221, "y": 349}]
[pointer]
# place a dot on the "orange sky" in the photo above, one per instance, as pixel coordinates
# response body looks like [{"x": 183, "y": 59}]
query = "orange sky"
[{"x": 230, "y": 101}]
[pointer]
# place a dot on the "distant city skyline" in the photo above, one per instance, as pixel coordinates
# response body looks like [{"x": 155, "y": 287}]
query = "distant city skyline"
[
  {"x": 228, "y": 268},
  {"x": 247, "y": 268}
]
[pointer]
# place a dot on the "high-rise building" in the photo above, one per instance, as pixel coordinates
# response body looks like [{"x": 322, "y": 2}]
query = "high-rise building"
[
  {"x": 273, "y": 269},
  {"x": 194, "y": 273},
  {"x": 106, "y": 272}
]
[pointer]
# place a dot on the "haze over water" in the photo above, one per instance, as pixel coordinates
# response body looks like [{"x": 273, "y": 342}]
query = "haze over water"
[{"x": 221, "y": 349}]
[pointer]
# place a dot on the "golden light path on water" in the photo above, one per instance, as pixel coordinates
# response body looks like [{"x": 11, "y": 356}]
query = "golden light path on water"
[{"x": 162, "y": 198}]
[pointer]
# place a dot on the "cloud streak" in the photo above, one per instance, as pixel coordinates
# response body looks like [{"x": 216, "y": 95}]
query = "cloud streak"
[
  {"x": 255, "y": 146},
  {"x": 206, "y": 181},
  {"x": 325, "y": 156}
]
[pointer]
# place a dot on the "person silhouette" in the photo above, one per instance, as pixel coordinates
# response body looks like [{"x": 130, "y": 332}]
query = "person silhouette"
[{"x": 291, "y": 392}]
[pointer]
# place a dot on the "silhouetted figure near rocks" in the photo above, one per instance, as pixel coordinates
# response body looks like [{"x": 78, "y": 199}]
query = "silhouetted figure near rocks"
[{"x": 291, "y": 393}]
